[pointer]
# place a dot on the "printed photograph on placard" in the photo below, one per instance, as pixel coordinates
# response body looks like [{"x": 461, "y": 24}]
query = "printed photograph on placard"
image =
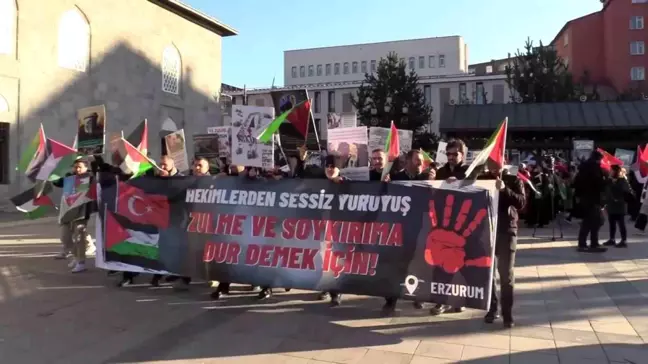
[
  {"x": 176, "y": 149},
  {"x": 248, "y": 123},
  {"x": 206, "y": 146},
  {"x": 91, "y": 130}
]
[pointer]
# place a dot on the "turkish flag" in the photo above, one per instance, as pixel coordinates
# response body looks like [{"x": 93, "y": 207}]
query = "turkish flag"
[{"x": 142, "y": 208}]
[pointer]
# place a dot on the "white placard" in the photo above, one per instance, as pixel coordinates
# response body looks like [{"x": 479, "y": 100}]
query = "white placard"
[
  {"x": 247, "y": 123},
  {"x": 378, "y": 137},
  {"x": 441, "y": 157}
]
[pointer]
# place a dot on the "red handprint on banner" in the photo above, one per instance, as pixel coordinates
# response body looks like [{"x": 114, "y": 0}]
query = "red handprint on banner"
[{"x": 445, "y": 246}]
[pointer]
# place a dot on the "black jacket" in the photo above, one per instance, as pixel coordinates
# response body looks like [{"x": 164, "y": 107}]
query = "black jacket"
[
  {"x": 511, "y": 200},
  {"x": 590, "y": 183},
  {"x": 404, "y": 176},
  {"x": 445, "y": 172}
]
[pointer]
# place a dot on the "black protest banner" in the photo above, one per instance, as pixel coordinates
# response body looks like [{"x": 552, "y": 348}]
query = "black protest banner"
[{"x": 370, "y": 238}]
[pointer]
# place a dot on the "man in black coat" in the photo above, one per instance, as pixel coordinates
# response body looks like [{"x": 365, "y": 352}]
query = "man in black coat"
[
  {"x": 511, "y": 200},
  {"x": 589, "y": 187}
]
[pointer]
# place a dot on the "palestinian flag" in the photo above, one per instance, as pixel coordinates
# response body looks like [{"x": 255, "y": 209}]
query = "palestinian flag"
[
  {"x": 130, "y": 243},
  {"x": 58, "y": 161},
  {"x": 34, "y": 207},
  {"x": 427, "y": 159},
  {"x": 493, "y": 151},
  {"x": 527, "y": 182},
  {"x": 34, "y": 156},
  {"x": 392, "y": 149},
  {"x": 298, "y": 116},
  {"x": 78, "y": 198},
  {"x": 132, "y": 160},
  {"x": 139, "y": 137}
]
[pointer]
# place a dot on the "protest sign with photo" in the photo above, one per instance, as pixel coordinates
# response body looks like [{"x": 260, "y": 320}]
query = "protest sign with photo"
[
  {"x": 206, "y": 146},
  {"x": 349, "y": 146},
  {"x": 378, "y": 137},
  {"x": 343, "y": 120},
  {"x": 367, "y": 238},
  {"x": 224, "y": 141},
  {"x": 441, "y": 157},
  {"x": 247, "y": 123},
  {"x": 176, "y": 148},
  {"x": 91, "y": 130},
  {"x": 582, "y": 149}
]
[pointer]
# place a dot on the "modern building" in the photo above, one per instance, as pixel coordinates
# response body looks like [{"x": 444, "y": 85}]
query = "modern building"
[
  {"x": 333, "y": 74},
  {"x": 610, "y": 45},
  {"x": 153, "y": 59}
]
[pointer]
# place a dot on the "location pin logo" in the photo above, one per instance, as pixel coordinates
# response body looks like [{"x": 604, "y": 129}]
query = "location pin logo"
[{"x": 411, "y": 282}]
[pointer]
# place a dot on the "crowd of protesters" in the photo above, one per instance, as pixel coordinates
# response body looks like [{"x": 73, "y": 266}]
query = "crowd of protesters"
[{"x": 587, "y": 194}]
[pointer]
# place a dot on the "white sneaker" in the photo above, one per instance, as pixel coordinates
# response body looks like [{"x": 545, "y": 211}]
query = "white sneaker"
[
  {"x": 78, "y": 268},
  {"x": 72, "y": 263}
]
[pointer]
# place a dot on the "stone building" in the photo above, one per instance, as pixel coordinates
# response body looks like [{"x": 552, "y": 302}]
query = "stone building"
[{"x": 153, "y": 59}]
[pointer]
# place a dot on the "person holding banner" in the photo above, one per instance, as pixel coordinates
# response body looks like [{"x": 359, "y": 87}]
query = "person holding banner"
[
  {"x": 455, "y": 167},
  {"x": 74, "y": 234},
  {"x": 413, "y": 171},
  {"x": 200, "y": 168},
  {"x": 453, "y": 170},
  {"x": 511, "y": 200}
]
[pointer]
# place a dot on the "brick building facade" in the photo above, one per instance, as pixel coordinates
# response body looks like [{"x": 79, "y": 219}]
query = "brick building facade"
[{"x": 154, "y": 59}]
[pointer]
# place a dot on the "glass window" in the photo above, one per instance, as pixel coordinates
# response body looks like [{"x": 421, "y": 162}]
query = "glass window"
[
  {"x": 363, "y": 66},
  {"x": 346, "y": 68},
  {"x": 373, "y": 65},
  {"x": 421, "y": 62},
  {"x": 7, "y": 26},
  {"x": 637, "y": 48},
  {"x": 489, "y": 69},
  {"x": 74, "y": 41},
  {"x": 566, "y": 40},
  {"x": 328, "y": 69},
  {"x": 302, "y": 71},
  {"x": 311, "y": 71},
  {"x": 337, "y": 69},
  {"x": 331, "y": 101},
  {"x": 441, "y": 61},
  {"x": 432, "y": 61},
  {"x": 638, "y": 73},
  {"x": 427, "y": 92},
  {"x": 171, "y": 70},
  {"x": 479, "y": 93},
  {"x": 294, "y": 72},
  {"x": 636, "y": 22},
  {"x": 411, "y": 63},
  {"x": 463, "y": 94},
  {"x": 319, "y": 69},
  {"x": 354, "y": 67},
  {"x": 318, "y": 101}
]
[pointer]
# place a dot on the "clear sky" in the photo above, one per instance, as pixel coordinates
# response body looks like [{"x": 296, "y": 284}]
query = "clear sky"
[{"x": 267, "y": 27}]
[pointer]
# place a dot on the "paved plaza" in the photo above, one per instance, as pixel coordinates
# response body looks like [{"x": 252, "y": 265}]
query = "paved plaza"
[{"x": 571, "y": 308}]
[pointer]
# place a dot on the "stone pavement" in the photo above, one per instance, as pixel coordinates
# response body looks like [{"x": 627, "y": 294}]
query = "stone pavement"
[{"x": 571, "y": 308}]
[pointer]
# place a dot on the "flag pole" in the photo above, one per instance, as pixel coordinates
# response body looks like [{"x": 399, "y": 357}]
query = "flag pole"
[
  {"x": 312, "y": 117},
  {"x": 504, "y": 147}
]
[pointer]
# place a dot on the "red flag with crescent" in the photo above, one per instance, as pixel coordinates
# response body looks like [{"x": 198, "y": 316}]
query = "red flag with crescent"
[{"x": 141, "y": 207}]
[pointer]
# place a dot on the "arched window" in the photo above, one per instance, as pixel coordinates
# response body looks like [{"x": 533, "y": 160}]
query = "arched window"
[
  {"x": 171, "y": 70},
  {"x": 7, "y": 26},
  {"x": 74, "y": 41}
]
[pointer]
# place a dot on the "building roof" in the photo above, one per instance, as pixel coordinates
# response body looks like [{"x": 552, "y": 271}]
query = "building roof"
[
  {"x": 229, "y": 88},
  {"x": 374, "y": 43},
  {"x": 562, "y": 30},
  {"x": 196, "y": 17},
  {"x": 592, "y": 115},
  {"x": 463, "y": 77}
]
